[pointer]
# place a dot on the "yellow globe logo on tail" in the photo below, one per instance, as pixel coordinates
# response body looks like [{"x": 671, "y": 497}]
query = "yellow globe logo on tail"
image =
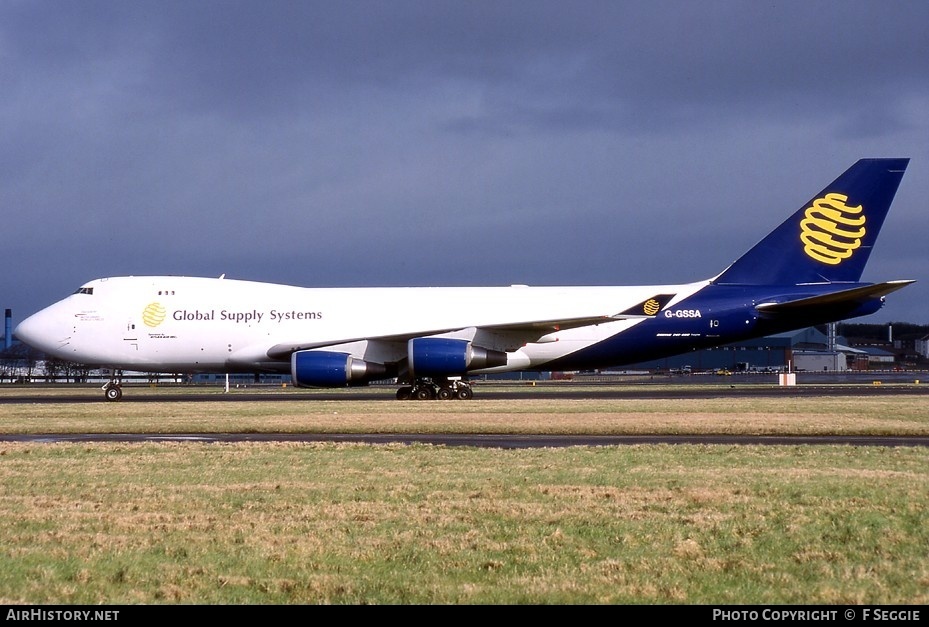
[
  {"x": 651, "y": 307},
  {"x": 831, "y": 230},
  {"x": 153, "y": 314}
]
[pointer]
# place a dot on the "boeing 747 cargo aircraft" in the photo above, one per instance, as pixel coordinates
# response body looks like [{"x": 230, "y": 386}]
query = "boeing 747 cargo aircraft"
[{"x": 805, "y": 272}]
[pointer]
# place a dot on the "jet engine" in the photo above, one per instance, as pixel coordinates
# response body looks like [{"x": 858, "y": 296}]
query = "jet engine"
[
  {"x": 328, "y": 369},
  {"x": 443, "y": 357}
]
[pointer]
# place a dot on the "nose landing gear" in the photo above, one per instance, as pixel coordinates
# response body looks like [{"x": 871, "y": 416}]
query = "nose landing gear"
[{"x": 113, "y": 390}]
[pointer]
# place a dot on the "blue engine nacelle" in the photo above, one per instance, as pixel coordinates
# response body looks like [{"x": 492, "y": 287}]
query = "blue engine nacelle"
[
  {"x": 325, "y": 369},
  {"x": 443, "y": 357}
]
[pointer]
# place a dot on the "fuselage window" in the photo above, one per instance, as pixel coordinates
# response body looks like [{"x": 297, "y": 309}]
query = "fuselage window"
[{"x": 85, "y": 290}]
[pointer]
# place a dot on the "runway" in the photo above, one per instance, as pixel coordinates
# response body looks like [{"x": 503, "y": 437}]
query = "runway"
[
  {"x": 697, "y": 387},
  {"x": 680, "y": 388},
  {"x": 502, "y": 441}
]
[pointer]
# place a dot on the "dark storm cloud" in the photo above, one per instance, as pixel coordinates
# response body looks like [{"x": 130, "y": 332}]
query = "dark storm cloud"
[{"x": 392, "y": 143}]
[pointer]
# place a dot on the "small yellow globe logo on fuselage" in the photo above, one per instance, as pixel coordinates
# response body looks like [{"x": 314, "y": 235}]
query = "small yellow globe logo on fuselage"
[
  {"x": 651, "y": 307},
  {"x": 153, "y": 314}
]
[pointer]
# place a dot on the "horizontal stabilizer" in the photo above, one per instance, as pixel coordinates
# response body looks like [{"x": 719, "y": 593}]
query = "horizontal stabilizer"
[{"x": 850, "y": 296}]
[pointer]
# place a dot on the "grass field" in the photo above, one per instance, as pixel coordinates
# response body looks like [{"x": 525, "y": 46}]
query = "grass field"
[{"x": 276, "y": 523}]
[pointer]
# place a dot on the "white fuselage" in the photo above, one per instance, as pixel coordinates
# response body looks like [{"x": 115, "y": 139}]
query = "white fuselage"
[{"x": 187, "y": 324}]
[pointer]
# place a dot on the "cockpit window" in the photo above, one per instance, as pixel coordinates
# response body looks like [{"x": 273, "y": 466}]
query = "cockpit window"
[{"x": 85, "y": 290}]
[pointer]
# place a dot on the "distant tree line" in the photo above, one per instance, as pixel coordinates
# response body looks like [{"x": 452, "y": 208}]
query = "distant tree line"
[{"x": 22, "y": 362}]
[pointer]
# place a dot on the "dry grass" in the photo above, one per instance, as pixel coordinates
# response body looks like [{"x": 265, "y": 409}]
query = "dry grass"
[
  {"x": 271, "y": 523},
  {"x": 801, "y": 415},
  {"x": 340, "y": 523}
]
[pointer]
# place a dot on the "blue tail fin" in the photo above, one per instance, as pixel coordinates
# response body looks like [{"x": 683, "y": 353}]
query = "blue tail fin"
[{"x": 830, "y": 238}]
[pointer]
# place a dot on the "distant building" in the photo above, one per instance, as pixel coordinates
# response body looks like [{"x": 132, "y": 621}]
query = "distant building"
[
  {"x": 879, "y": 358},
  {"x": 921, "y": 346}
]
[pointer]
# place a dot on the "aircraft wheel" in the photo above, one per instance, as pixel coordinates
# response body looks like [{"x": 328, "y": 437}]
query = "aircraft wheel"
[
  {"x": 404, "y": 394},
  {"x": 465, "y": 393},
  {"x": 423, "y": 394},
  {"x": 444, "y": 394},
  {"x": 114, "y": 393}
]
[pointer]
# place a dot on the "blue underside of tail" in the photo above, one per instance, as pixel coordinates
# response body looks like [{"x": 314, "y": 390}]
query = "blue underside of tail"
[{"x": 716, "y": 315}]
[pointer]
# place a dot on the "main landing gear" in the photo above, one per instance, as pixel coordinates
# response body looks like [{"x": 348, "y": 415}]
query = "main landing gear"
[
  {"x": 113, "y": 390},
  {"x": 424, "y": 389}
]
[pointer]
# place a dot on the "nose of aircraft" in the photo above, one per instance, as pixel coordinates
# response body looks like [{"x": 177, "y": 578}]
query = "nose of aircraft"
[{"x": 38, "y": 331}]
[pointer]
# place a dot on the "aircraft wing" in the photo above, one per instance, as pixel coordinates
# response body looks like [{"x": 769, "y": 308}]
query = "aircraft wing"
[
  {"x": 510, "y": 334},
  {"x": 521, "y": 332},
  {"x": 841, "y": 298},
  {"x": 648, "y": 308}
]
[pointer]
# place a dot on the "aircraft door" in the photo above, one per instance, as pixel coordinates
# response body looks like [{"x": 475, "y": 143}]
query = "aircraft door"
[{"x": 131, "y": 336}]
